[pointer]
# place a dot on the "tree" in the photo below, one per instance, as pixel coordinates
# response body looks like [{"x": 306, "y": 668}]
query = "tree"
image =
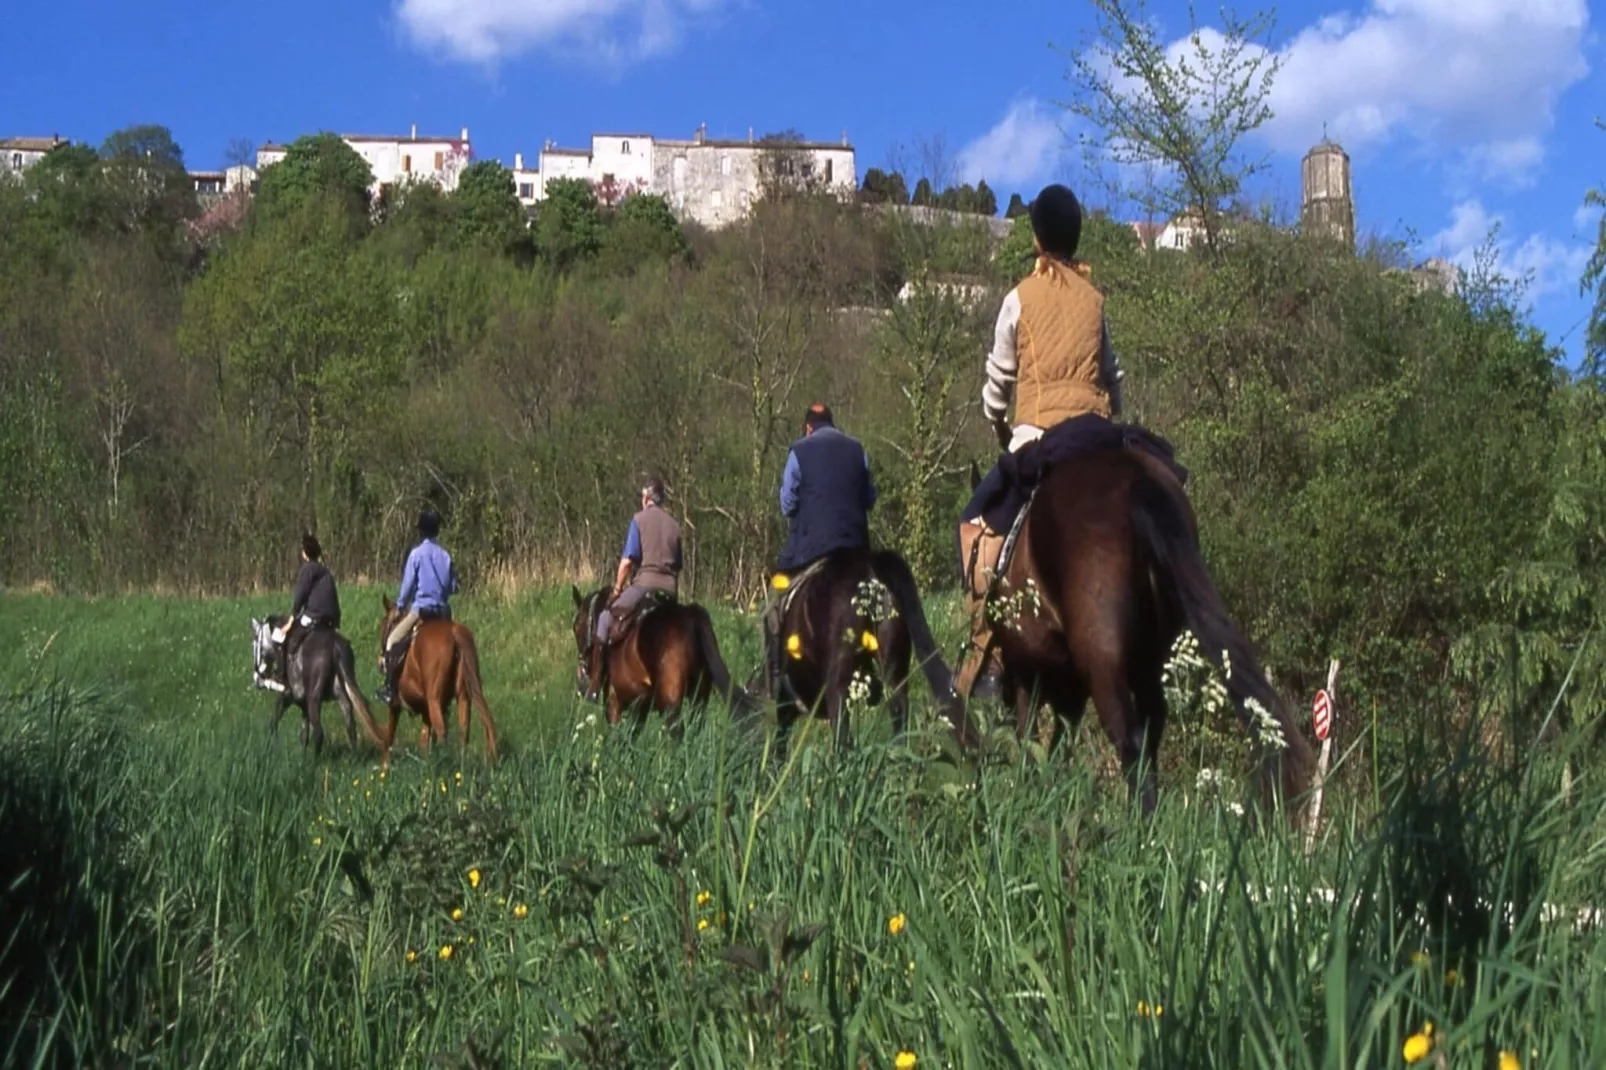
[
  {"x": 313, "y": 167},
  {"x": 488, "y": 209},
  {"x": 146, "y": 183},
  {"x": 643, "y": 230},
  {"x": 881, "y": 187},
  {"x": 568, "y": 223},
  {"x": 1189, "y": 115},
  {"x": 1017, "y": 207},
  {"x": 923, "y": 196},
  {"x": 986, "y": 202},
  {"x": 1595, "y": 279}
]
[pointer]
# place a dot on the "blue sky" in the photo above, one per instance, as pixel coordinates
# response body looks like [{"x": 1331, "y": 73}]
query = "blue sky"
[{"x": 1459, "y": 114}]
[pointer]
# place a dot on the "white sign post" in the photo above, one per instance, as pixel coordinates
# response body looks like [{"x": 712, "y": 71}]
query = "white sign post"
[{"x": 1322, "y": 722}]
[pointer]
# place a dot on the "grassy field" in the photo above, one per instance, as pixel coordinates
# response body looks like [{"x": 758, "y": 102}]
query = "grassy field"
[{"x": 182, "y": 892}]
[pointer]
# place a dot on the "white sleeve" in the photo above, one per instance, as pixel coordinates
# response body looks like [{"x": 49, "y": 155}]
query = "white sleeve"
[{"x": 1002, "y": 362}]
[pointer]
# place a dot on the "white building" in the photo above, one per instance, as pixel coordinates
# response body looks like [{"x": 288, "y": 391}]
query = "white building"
[
  {"x": 17, "y": 154},
  {"x": 711, "y": 182},
  {"x": 398, "y": 160}
]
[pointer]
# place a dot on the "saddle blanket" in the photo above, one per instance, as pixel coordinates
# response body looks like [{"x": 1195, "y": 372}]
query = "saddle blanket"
[{"x": 1021, "y": 472}]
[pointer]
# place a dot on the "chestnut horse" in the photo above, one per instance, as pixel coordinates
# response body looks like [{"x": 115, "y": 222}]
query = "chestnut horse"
[
  {"x": 1106, "y": 574},
  {"x": 669, "y": 655},
  {"x": 441, "y": 661},
  {"x": 846, "y": 634}
]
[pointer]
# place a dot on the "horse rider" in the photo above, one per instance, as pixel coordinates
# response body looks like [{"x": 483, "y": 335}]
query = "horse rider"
[
  {"x": 826, "y": 495},
  {"x": 428, "y": 582},
  {"x": 314, "y": 602},
  {"x": 652, "y": 550},
  {"x": 1052, "y": 354}
]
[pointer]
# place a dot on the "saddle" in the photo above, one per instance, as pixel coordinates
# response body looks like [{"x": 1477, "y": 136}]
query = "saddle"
[
  {"x": 625, "y": 623},
  {"x": 777, "y": 600}
]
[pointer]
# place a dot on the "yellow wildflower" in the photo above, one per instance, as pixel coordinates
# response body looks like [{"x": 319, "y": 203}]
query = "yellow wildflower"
[
  {"x": 1418, "y": 1045},
  {"x": 317, "y": 841},
  {"x": 807, "y": 977},
  {"x": 896, "y": 924},
  {"x": 459, "y": 776},
  {"x": 521, "y": 911},
  {"x": 703, "y": 897},
  {"x": 457, "y": 914},
  {"x": 702, "y": 923},
  {"x": 794, "y": 646},
  {"x": 446, "y": 952},
  {"x": 780, "y": 581},
  {"x": 412, "y": 956},
  {"x": 905, "y": 1061},
  {"x": 473, "y": 878},
  {"x": 1143, "y": 1009},
  {"x": 1420, "y": 958},
  {"x": 1509, "y": 1061},
  {"x": 870, "y": 642},
  {"x": 625, "y": 918},
  {"x": 1451, "y": 977}
]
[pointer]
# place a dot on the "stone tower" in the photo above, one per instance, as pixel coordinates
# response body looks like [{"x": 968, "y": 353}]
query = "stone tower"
[{"x": 1327, "y": 205}]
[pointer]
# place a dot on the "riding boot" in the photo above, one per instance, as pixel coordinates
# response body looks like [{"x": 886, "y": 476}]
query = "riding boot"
[
  {"x": 394, "y": 657},
  {"x": 981, "y": 666},
  {"x": 772, "y": 652}
]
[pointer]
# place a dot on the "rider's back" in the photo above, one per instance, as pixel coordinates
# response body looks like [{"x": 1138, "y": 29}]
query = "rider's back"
[
  {"x": 1059, "y": 341},
  {"x": 834, "y": 497}
]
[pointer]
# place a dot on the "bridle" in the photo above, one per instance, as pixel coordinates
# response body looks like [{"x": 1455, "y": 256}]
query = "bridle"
[{"x": 593, "y": 605}]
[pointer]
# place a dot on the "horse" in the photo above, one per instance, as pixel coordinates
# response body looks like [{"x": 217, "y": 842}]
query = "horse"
[
  {"x": 1109, "y": 546},
  {"x": 845, "y": 634},
  {"x": 322, "y": 659},
  {"x": 441, "y": 661},
  {"x": 667, "y": 655}
]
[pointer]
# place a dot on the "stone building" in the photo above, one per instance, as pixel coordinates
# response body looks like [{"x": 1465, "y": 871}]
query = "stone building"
[
  {"x": 396, "y": 160},
  {"x": 1327, "y": 202},
  {"x": 705, "y": 180},
  {"x": 17, "y": 154}
]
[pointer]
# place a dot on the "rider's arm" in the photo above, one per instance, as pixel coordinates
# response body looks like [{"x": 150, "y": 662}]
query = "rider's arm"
[
  {"x": 1110, "y": 368},
  {"x": 631, "y": 555},
  {"x": 409, "y": 585},
  {"x": 298, "y": 597},
  {"x": 1002, "y": 362},
  {"x": 789, "y": 482}
]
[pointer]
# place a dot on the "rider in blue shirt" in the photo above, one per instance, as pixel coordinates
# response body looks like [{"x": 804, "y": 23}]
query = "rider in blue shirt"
[{"x": 428, "y": 582}]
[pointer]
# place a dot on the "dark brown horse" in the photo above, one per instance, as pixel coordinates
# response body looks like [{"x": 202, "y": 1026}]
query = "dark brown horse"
[
  {"x": 847, "y": 634},
  {"x": 441, "y": 661},
  {"x": 668, "y": 656},
  {"x": 1105, "y": 576}
]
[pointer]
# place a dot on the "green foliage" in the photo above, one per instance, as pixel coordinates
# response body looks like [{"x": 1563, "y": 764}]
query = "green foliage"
[
  {"x": 1017, "y": 207},
  {"x": 879, "y": 187},
  {"x": 568, "y": 223},
  {"x": 643, "y": 230},
  {"x": 488, "y": 209},
  {"x": 186, "y": 886},
  {"x": 1595, "y": 279},
  {"x": 315, "y": 167}
]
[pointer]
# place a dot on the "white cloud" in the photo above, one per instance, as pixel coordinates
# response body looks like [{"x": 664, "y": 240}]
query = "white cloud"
[
  {"x": 1478, "y": 75},
  {"x": 1020, "y": 150},
  {"x": 1586, "y": 220},
  {"x": 1549, "y": 266},
  {"x": 485, "y": 31}
]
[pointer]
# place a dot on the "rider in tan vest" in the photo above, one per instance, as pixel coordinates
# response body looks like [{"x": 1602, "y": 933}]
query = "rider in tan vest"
[
  {"x": 652, "y": 550},
  {"x": 1051, "y": 352}
]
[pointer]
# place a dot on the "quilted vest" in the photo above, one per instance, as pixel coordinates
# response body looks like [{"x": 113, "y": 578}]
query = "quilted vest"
[{"x": 1057, "y": 343}]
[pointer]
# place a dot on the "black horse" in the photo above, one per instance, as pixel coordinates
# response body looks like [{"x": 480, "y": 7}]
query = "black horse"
[
  {"x": 846, "y": 634},
  {"x": 307, "y": 677}
]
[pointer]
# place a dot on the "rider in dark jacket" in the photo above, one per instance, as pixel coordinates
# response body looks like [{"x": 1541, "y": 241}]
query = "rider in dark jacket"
[
  {"x": 827, "y": 494},
  {"x": 314, "y": 602}
]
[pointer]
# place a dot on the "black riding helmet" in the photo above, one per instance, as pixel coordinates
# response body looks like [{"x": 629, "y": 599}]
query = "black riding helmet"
[
  {"x": 429, "y": 525},
  {"x": 1057, "y": 221}
]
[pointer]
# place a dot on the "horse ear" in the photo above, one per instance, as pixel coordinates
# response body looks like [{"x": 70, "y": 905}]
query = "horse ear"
[
  {"x": 575, "y": 591},
  {"x": 255, "y": 627}
]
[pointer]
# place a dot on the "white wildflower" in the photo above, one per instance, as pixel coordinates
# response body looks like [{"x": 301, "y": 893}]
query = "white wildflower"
[{"x": 1267, "y": 730}]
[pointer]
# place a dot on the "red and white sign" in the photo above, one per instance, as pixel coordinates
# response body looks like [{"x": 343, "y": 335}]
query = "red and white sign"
[{"x": 1323, "y": 715}]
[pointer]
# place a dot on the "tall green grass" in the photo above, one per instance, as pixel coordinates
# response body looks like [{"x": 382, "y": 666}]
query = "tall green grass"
[{"x": 181, "y": 892}]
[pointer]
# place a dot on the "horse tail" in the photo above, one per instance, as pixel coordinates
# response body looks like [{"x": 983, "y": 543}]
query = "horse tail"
[
  {"x": 346, "y": 672},
  {"x": 470, "y": 685},
  {"x": 894, "y": 571},
  {"x": 1163, "y": 527},
  {"x": 742, "y": 704}
]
